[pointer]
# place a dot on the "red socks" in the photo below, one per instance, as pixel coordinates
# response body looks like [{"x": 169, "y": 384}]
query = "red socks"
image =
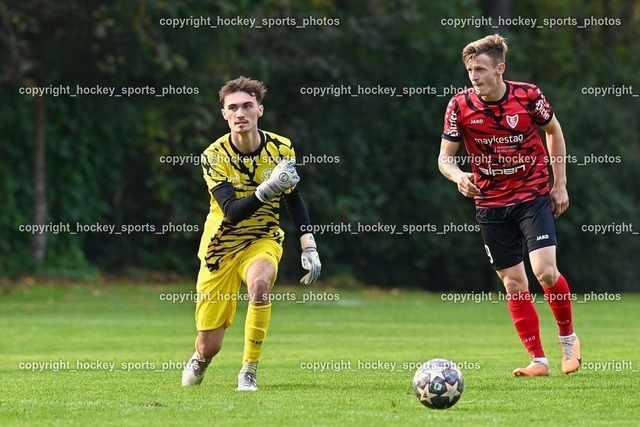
[
  {"x": 525, "y": 319},
  {"x": 559, "y": 298}
]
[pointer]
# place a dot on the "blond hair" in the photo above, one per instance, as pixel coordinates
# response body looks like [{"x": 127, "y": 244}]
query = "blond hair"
[{"x": 494, "y": 46}]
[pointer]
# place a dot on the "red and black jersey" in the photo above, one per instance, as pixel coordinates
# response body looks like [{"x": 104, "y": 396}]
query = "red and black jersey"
[{"x": 506, "y": 153}]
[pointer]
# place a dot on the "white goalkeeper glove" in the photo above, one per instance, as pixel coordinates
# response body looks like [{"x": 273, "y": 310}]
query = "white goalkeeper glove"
[
  {"x": 310, "y": 259},
  {"x": 283, "y": 177}
]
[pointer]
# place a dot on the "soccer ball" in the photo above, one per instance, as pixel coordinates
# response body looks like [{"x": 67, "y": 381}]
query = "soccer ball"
[{"x": 438, "y": 384}]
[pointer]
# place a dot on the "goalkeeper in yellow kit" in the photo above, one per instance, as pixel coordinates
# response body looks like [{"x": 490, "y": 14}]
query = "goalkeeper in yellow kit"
[{"x": 248, "y": 172}]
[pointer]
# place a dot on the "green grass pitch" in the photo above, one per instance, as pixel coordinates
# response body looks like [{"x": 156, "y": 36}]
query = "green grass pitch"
[{"x": 112, "y": 356}]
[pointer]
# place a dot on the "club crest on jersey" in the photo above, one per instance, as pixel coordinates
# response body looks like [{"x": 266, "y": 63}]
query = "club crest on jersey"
[
  {"x": 266, "y": 174},
  {"x": 512, "y": 121}
]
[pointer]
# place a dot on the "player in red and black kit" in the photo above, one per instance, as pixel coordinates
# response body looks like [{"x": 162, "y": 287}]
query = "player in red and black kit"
[{"x": 515, "y": 206}]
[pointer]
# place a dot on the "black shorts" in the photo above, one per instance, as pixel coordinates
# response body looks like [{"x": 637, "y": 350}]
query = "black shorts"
[{"x": 505, "y": 231}]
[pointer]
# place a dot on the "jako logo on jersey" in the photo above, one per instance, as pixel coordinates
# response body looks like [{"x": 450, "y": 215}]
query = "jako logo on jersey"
[
  {"x": 542, "y": 237},
  {"x": 476, "y": 121},
  {"x": 512, "y": 121}
]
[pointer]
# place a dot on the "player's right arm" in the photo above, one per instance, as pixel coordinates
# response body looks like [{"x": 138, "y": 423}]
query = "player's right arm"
[
  {"x": 448, "y": 166},
  {"x": 449, "y": 144},
  {"x": 235, "y": 209},
  {"x": 214, "y": 162}
]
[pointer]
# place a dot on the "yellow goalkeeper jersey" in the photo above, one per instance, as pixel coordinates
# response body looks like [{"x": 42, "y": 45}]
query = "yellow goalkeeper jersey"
[{"x": 223, "y": 163}]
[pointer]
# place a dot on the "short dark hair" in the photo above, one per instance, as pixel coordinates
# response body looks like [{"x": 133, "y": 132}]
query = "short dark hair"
[{"x": 243, "y": 84}]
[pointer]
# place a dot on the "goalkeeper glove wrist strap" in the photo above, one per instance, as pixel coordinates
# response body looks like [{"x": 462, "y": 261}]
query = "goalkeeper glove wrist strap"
[{"x": 307, "y": 241}]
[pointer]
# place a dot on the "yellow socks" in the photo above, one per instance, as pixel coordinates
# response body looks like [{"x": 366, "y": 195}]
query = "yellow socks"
[{"x": 255, "y": 331}]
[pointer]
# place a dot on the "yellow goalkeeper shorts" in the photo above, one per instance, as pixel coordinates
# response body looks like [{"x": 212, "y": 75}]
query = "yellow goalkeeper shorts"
[{"x": 218, "y": 291}]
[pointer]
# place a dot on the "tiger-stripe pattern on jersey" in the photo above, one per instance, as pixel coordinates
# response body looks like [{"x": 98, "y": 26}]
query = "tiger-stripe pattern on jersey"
[{"x": 222, "y": 162}]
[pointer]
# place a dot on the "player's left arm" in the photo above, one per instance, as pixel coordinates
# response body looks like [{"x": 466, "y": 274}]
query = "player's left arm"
[
  {"x": 300, "y": 217},
  {"x": 557, "y": 152}
]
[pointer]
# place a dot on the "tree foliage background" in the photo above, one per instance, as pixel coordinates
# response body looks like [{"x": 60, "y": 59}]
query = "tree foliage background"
[{"x": 95, "y": 159}]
